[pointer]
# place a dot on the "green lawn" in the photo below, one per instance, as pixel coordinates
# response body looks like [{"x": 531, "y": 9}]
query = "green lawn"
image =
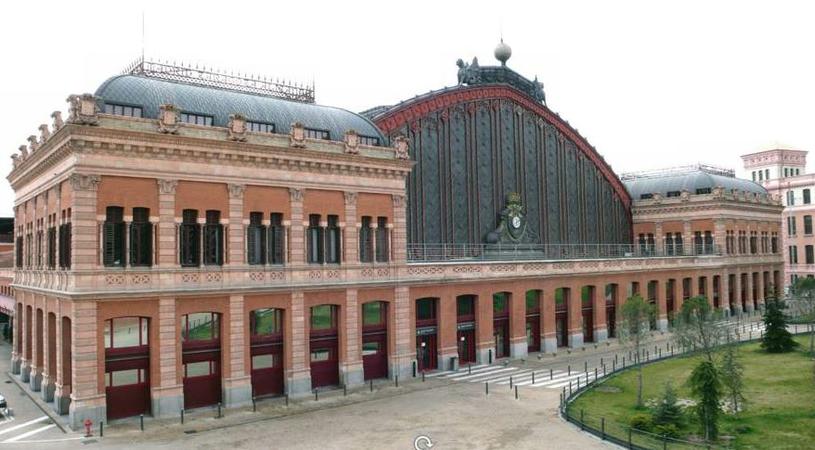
[{"x": 780, "y": 392}]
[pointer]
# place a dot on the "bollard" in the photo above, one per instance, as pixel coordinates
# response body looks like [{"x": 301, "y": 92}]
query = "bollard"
[
  {"x": 317, "y": 394},
  {"x": 614, "y": 366},
  {"x": 601, "y": 360},
  {"x": 510, "y": 381},
  {"x": 585, "y": 366},
  {"x": 182, "y": 416},
  {"x": 344, "y": 390},
  {"x": 587, "y": 378},
  {"x": 578, "y": 383},
  {"x": 141, "y": 423},
  {"x": 595, "y": 374},
  {"x": 219, "y": 410},
  {"x": 397, "y": 380},
  {"x": 603, "y": 428},
  {"x": 516, "y": 392},
  {"x": 569, "y": 370},
  {"x": 660, "y": 353},
  {"x": 604, "y": 370},
  {"x": 422, "y": 377},
  {"x": 489, "y": 358},
  {"x": 469, "y": 368},
  {"x": 570, "y": 388},
  {"x": 550, "y": 374},
  {"x": 372, "y": 385},
  {"x": 414, "y": 370},
  {"x": 102, "y": 428},
  {"x": 287, "y": 400},
  {"x": 533, "y": 377},
  {"x": 623, "y": 362},
  {"x": 615, "y": 357},
  {"x": 255, "y": 404},
  {"x": 486, "y": 388}
]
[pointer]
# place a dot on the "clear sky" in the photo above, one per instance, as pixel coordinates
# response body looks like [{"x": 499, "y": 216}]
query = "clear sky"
[{"x": 650, "y": 84}]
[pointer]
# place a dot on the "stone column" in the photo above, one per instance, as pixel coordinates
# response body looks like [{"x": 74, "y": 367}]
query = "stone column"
[
  {"x": 62, "y": 387},
  {"x": 761, "y": 298},
  {"x": 447, "y": 332},
  {"x": 662, "y": 305},
  {"x": 37, "y": 347},
  {"x": 724, "y": 292},
  {"x": 404, "y": 349},
  {"x": 168, "y": 392},
  {"x": 85, "y": 248},
  {"x": 298, "y": 376},
  {"x": 237, "y": 247},
  {"x": 48, "y": 339},
  {"x": 548, "y": 329},
  {"x": 737, "y": 305},
  {"x": 25, "y": 326},
  {"x": 599, "y": 310},
  {"x": 398, "y": 250},
  {"x": 167, "y": 245},
  {"x": 237, "y": 390},
  {"x": 350, "y": 231},
  {"x": 16, "y": 322},
  {"x": 575, "y": 319},
  {"x": 709, "y": 289},
  {"x": 518, "y": 347},
  {"x": 87, "y": 399},
  {"x": 748, "y": 304},
  {"x": 351, "y": 371},
  {"x": 484, "y": 330},
  {"x": 297, "y": 243}
]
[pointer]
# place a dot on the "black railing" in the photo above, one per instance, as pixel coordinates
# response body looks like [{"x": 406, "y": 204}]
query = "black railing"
[{"x": 488, "y": 252}]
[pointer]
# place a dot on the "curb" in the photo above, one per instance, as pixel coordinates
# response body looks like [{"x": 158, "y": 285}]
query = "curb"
[{"x": 40, "y": 404}]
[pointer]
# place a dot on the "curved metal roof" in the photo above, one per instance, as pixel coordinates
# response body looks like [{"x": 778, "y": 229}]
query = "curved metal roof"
[
  {"x": 150, "y": 93},
  {"x": 690, "y": 181}
]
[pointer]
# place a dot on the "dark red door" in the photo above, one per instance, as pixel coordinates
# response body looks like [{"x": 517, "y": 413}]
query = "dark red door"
[
  {"x": 426, "y": 349},
  {"x": 267, "y": 369},
  {"x": 375, "y": 355},
  {"x": 127, "y": 387},
  {"x": 533, "y": 333},
  {"x": 588, "y": 325},
  {"x": 611, "y": 321},
  {"x": 561, "y": 329},
  {"x": 324, "y": 362},
  {"x": 202, "y": 379},
  {"x": 466, "y": 345},
  {"x": 500, "y": 329}
]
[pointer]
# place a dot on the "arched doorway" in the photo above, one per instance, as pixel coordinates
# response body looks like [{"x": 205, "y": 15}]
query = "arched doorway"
[
  {"x": 324, "y": 347},
  {"x": 266, "y": 349},
  {"x": 127, "y": 366},
  {"x": 426, "y": 334},
  {"x": 500, "y": 324},
  {"x": 375, "y": 340},
  {"x": 465, "y": 326},
  {"x": 561, "y": 316},
  {"x": 201, "y": 357},
  {"x": 533, "y": 321}
]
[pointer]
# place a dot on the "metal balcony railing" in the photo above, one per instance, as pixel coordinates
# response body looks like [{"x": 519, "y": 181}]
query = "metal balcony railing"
[{"x": 499, "y": 252}]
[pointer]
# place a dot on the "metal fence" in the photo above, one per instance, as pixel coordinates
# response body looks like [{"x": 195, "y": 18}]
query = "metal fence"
[{"x": 491, "y": 252}]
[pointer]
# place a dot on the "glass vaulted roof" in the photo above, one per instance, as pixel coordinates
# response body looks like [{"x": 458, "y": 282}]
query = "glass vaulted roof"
[
  {"x": 150, "y": 93},
  {"x": 690, "y": 181}
]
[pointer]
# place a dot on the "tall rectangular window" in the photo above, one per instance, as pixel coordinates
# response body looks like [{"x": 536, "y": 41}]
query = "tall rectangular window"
[
  {"x": 113, "y": 236},
  {"x": 790, "y": 198},
  {"x": 256, "y": 239},
  {"x": 141, "y": 238},
  {"x": 332, "y": 244},
  {"x": 315, "y": 239},
  {"x": 810, "y": 257},
  {"x": 807, "y": 199},
  {"x": 52, "y": 244},
  {"x": 65, "y": 240},
  {"x": 366, "y": 241},
  {"x": 190, "y": 239},
  {"x": 382, "y": 239},
  {"x": 277, "y": 239},
  {"x": 213, "y": 239},
  {"x": 807, "y": 225}
]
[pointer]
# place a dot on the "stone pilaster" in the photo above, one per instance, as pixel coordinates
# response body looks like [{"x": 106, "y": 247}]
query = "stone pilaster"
[
  {"x": 599, "y": 311},
  {"x": 49, "y": 360},
  {"x": 35, "y": 380},
  {"x": 662, "y": 305},
  {"x": 749, "y": 306},
  {"x": 297, "y": 243},
  {"x": 404, "y": 354},
  {"x": 87, "y": 399},
  {"x": 62, "y": 386},
  {"x": 237, "y": 248},
  {"x": 687, "y": 238},
  {"x": 298, "y": 376},
  {"x": 16, "y": 356},
  {"x": 167, "y": 247},
  {"x": 574, "y": 303},
  {"x": 351, "y": 372},
  {"x": 399, "y": 232},
  {"x": 548, "y": 330},
  {"x": 761, "y": 287},
  {"x": 737, "y": 303},
  {"x": 85, "y": 246},
  {"x": 659, "y": 238},
  {"x": 720, "y": 234},
  {"x": 238, "y": 387},
  {"x": 484, "y": 338},
  {"x": 25, "y": 325},
  {"x": 350, "y": 232},
  {"x": 168, "y": 392},
  {"x": 518, "y": 347}
]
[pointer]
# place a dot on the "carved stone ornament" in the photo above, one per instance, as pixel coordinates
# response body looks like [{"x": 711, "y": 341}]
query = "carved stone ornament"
[
  {"x": 351, "y": 142},
  {"x": 297, "y": 135},
  {"x": 400, "y": 145},
  {"x": 684, "y": 195},
  {"x": 82, "y": 182},
  {"x": 718, "y": 192},
  {"x": 44, "y": 133},
  {"x": 236, "y": 190},
  {"x": 350, "y": 198},
  {"x": 237, "y": 127},
  {"x": 296, "y": 194},
  {"x": 33, "y": 145},
  {"x": 15, "y": 159},
  {"x": 23, "y": 152},
  {"x": 657, "y": 198},
  {"x": 167, "y": 186},
  {"x": 398, "y": 200},
  {"x": 58, "y": 123},
  {"x": 83, "y": 110},
  {"x": 168, "y": 119}
]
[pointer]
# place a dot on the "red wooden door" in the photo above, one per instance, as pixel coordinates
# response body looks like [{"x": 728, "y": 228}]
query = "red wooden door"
[
  {"x": 611, "y": 321},
  {"x": 426, "y": 356},
  {"x": 127, "y": 387},
  {"x": 202, "y": 379},
  {"x": 324, "y": 362},
  {"x": 588, "y": 325},
  {"x": 375, "y": 355},
  {"x": 267, "y": 369},
  {"x": 533, "y": 333},
  {"x": 466, "y": 346},
  {"x": 561, "y": 329},
  {"x": 500, "y": 328}
]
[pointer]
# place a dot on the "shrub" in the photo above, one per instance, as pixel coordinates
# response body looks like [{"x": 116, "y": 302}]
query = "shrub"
[
  {"x": 668, "y": 430},
  {"x": 667, "y": 411},
  {"x": 641, "y": 422}
]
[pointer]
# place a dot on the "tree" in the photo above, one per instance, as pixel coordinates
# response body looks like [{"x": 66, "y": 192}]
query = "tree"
[
  {"x": 696, "y": 327},
  {"x": 635, "y": 332},
  {"x": 706, "y": 386},
  {"x": 804, "y": 295},
  {"x": 667, "y": 410},
  {"x": 732, "y": 373},
  {"x": 777, "y": 339}
]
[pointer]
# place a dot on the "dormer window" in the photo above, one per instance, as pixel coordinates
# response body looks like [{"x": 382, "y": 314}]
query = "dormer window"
[
  {"x": 646, "y": 196},
  {"x": 701, "y": 191},
  {"x": 673, "y": 194},
  {"x": 260, "y": 127},
  {"x": 196, "y": 119},
  {"x": 369, "y": 140},
  {"x": 313, "y": 133},
  {"x": 123, "y": 110}
]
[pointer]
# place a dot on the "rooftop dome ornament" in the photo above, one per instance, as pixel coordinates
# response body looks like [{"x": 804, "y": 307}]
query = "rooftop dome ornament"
[{"x": 503, "y": 52}]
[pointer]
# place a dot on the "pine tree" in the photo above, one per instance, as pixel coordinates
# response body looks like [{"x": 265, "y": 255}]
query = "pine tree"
[
  {"x": 706, "y": 386},
  {"x": 667, "y": 410},
  {"x": 776, "y": 337}
]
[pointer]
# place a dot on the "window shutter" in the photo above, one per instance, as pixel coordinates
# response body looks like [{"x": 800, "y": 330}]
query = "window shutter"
[{"x": 108, "y": 244}]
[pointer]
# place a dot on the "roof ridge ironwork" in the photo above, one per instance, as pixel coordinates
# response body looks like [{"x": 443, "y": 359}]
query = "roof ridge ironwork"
[{"x": 678, "y": 170}]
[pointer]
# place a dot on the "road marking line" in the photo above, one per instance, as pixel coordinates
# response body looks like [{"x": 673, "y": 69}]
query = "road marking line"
[
  {"x": 493, "y": 377},
  {"x": 474, "y": 371},
  {"x": 30, "y": 433},
  {"x": 22, "y": 425},
  {"x": 479, "y": 376}
]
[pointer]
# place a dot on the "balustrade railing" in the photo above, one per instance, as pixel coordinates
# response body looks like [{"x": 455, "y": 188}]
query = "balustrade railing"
[{"x": 493, "y": 252}]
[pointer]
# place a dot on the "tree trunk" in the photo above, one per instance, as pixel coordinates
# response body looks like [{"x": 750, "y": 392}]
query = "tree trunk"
[{"x": 639, "y": 379}]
